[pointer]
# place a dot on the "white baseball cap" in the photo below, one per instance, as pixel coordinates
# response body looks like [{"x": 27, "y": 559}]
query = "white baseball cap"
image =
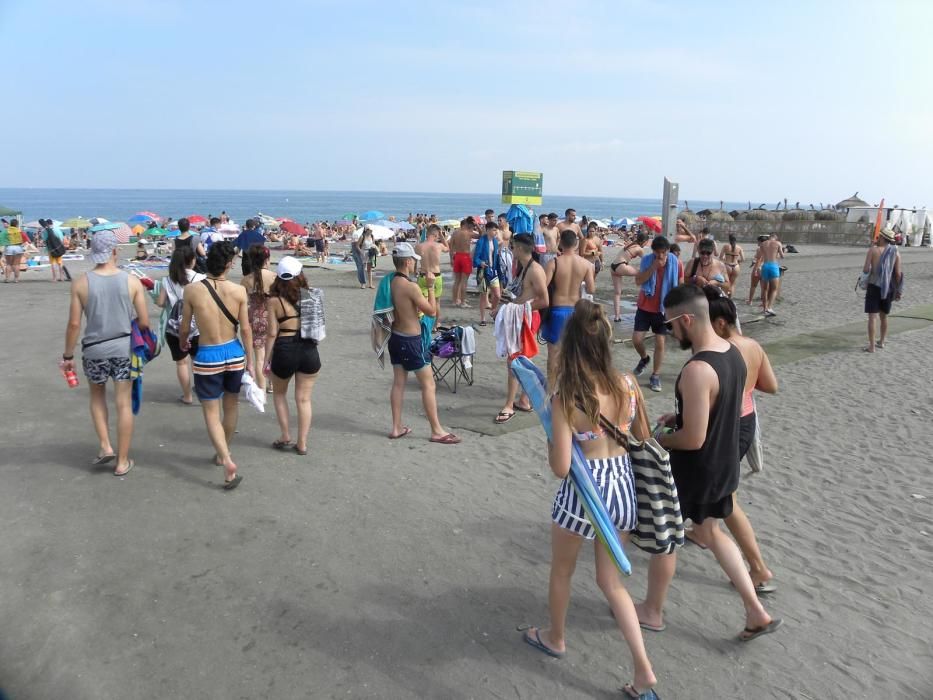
[
  {"x": 405, "y": 250},
  {"x": 288, "y": 268}
]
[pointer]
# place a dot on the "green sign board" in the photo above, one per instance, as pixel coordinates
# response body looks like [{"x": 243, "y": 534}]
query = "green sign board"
[{"x": 520, "y": 187}]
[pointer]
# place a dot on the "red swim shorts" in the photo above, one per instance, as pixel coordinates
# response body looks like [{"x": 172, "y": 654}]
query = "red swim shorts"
[{"x": 463, "y": 264}]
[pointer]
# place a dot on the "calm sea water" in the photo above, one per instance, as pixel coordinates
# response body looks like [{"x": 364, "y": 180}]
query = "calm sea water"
[{"x": 118, "y": 205}]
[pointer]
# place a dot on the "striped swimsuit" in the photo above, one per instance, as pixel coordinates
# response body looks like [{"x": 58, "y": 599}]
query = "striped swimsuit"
[{"x": 616, "y": 484}]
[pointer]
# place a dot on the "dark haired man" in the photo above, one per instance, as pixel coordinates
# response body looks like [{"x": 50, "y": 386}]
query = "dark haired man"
[
  {"x": 570, "y": 222},
  {"x": 486, "y": 262},
  {"x": 251, "y": 235},
  {"x": 406, "y": 344},
  {"x": 660, "y": 272},
  {"x": 461, "y": 260},
  {"x": 430, "y": 252},
  {"x": 490, "y": 216},
  {"x": 220, "y": 307},
  {"x": 551, "y": 234},
  {"x": 704, "y": 450}
]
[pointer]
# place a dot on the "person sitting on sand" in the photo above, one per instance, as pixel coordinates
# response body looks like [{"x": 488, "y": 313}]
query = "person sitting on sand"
[
  {"x": 406, "y": 347},
  {"x": 588, "y": 387},
  {"x": 704, "y": 453}
]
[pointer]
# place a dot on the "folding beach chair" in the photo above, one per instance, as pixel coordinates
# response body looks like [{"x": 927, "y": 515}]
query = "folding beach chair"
[{"x": 448, "y": 362}]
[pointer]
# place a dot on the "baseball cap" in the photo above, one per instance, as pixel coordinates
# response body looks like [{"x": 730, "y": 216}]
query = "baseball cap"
[
  {"x": 405, "y": 250},
  {"x": 102, "y": 245},
  {"x": 288, "y": 268}
]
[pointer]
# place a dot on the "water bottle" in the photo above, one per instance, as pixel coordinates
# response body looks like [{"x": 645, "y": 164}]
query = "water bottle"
[{"x": 71, "y": 378}]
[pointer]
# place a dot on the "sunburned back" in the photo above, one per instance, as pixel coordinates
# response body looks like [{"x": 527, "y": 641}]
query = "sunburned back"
[
  {"x": 214, "y": 327},
  {"x": 406, "y": 313},
  {"x": 569, "y": 272}
]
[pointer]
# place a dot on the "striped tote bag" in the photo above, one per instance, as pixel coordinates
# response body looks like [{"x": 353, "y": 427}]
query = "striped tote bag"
[{"x": 660, "y": 525}]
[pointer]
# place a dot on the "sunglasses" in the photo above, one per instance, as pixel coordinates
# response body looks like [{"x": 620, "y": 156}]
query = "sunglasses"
[
  {"x": 669, "y": 325},
  {"x": 706, "y": 252}
]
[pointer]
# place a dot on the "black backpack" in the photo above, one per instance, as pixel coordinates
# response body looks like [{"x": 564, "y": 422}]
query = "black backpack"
[{"x": 54, "y": 244}]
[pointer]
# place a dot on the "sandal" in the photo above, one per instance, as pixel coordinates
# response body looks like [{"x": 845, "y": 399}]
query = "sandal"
[
  {"x": 129, "y": 465},
  {"x": 504, "y": 417},
  {"x": 405, "y": 431},
  {"x": 631, "y": 691},
  {"x": 448, "y": 439},
  {"x": 300, "y": 451},
  {"x": 282, "y": 444}
]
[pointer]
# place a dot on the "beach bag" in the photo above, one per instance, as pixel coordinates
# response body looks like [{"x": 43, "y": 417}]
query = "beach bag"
[
  {"x": 173, "y": 323},
  {"x": 311, "y": 311},
  {"x": 660, "y": 527},
  {"x": 755, "y": 455}
]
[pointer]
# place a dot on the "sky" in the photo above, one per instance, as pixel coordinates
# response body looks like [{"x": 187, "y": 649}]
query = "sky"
[{"x": 734, "y": 100}]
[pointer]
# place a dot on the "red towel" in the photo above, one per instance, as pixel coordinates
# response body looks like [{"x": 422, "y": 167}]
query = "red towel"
[{"x": 529, "y": 337}]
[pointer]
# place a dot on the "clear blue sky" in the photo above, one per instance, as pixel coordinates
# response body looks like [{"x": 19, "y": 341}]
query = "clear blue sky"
[{"x": 735, "y": 100}]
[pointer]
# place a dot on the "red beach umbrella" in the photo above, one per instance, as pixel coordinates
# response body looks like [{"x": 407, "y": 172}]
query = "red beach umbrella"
[
  {"x": 196, "y": 219},
  {"x": 293, "y": 228},
  {"x": 651, "y": 223}
]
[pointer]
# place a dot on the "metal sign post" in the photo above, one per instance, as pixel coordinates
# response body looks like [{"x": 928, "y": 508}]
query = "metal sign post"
[{"x": 669, "y": 209}]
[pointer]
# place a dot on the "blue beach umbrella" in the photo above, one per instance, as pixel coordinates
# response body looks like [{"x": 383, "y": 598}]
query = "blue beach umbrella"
[
  {"x": 520, "y": 219},
  {"x": 139, "y": 219},
  {"x": 373, "y": 215},
  {"x": 535, "y": 387},
  {"x": 109, "y": 226}
]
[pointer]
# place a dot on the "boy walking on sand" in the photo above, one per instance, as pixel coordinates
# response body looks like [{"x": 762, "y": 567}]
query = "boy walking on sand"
[{"x": 406, "y": 347}]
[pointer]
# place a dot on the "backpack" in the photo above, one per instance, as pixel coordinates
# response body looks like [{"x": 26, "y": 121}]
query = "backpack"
[
  {"x": 173, "y": 324},
  {"x": 54, "y": 245}
]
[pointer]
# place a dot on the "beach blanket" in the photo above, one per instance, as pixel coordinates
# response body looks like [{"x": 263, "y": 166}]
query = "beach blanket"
[
  {"x": 143, "y": 348},
  {"x": 668, "y": 282},
  {"x": 383, "y": 317}
]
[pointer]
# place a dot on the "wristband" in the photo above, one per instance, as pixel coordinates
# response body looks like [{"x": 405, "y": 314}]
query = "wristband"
[{"x": 67, "y": 358}]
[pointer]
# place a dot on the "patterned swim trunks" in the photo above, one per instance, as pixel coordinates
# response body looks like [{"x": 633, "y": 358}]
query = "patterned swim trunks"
[{"x": 99, "y": 371}]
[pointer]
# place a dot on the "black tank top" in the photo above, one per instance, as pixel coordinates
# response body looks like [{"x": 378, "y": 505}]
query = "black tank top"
[{"x": 711, "y": 473}]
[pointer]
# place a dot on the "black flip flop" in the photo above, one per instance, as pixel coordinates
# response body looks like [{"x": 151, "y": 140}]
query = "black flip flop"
[
  {"x": 504, "y": 417},
  {"x": 103, "y": 459},
  {"x": 233, "y": 483},
  {"x": 130, "y": 464},
  {"x": 523, "y": 409},
  {"x": 750, "y": 634}
]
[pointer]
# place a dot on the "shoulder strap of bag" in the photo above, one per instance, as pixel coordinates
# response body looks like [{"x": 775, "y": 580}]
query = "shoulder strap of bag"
[
  {"x": 222, "y": 306},
  {"x": 643, "y": 431}
]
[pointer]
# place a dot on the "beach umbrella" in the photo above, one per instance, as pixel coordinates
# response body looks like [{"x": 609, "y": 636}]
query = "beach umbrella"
[
  {"x": 196, "y": 220},
  {"x": 229, "y": 230},
  {"x": 348, "y": 216},
  {"x": 77, "y": 222},
  {"x": 449, "y": 222},
  {"x": 600, "y": 223},
  {"x": 344, "y": 222},
  {"x": 520, "y": 219},
  {"x": 151, "y": 215},
  {"x": 137, "y": 229},
  {"x": 6, "y": 211},
  {"x": 155, "y": 233},
  {"x": 403, "y": 226},
  {"x": 372, "y": 215},
  {"x": 651, "y": 223},
  {"x": 380, "y": 233},
  {"x": 293, "y": 228},
  {"x": 139, "y": 219},
  {"x": 36, "y": 225},
  {"x": 99, "y": 220},
  {"x": 120, "y": 230}
]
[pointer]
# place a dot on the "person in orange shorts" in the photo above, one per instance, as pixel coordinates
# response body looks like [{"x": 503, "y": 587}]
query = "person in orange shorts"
[{"x": 461, "y": 259}]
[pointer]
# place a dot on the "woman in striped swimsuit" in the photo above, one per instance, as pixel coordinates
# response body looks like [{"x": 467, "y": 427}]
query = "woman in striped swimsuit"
[{"x": 588, "y": 385}]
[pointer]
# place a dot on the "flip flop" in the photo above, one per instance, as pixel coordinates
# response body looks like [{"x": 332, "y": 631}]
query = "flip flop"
[
  {"x": 282, "y": 444},
  {"x": 300, "y": 452},
  {"x": 536, "y": 642},
  {"x": 504, "y": 417},
  {"x": 631, "y": 692},
  {"x": 766, "y": 587},
  {"x": 103, "y": 459},
  {"x": 448, "y": 439},
  {"x": 482, "y": 323},
  {"x": 181, "y": 400},
  {"x": 524, "y": 409},
  {"x": 233, "y": 483},
  {"x": 688, "y": 535},
  {"x": 652, "y": 628},
  {"x": 405, "y": 431},
  {"x": 129, "y": 465},
  {"x": 879, "y": 345},
  {"x": 750, "y": 634}
]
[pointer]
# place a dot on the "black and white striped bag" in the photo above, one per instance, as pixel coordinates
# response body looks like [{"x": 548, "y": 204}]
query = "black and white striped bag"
[{"x": 660, "y": 525}]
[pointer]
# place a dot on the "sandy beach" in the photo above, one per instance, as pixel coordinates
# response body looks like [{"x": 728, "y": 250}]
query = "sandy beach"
[{"x": 401, "y": 569}]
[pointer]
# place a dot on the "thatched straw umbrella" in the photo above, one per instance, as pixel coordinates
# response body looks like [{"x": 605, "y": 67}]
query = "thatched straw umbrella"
[
  {"x": 686, "y": 215},
  {"x": 853, "y": 201},
  {"x": 826, "y": 214}
]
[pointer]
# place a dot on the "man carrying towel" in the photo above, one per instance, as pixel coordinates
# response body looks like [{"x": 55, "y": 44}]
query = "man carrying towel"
[
  {"x": 883, "y": 267},
  {"x": 661, "y": 271}
]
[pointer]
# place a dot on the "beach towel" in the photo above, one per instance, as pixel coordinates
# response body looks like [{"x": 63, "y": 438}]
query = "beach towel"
[
  {"x": 886, "y": 271},
  {"x": 510, "y": 321},
  {"x": 668, "y": 282},
  {"x": 143, "y": 348},
  {"x": 520, "y": 219},
  {"x": 486, "y": 251},
  {"x": 383, "y": 317},
  {"x": 254, "y": 395}
]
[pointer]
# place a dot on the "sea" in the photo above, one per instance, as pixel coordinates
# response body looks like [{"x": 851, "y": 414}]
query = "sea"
[{"x": 305, "y": 206}]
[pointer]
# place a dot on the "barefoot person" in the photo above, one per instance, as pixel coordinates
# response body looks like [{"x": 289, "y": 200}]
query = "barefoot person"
[
  {"x": 528, "y": 286},
  {"x": 625, "y": 265},
  {"x": 589, "y": 386},
  {"x": 461, "y": 260},
  {"x": 406, "y": 346},
  {"x": 732, "y": 256},
  {"x": 660, "y": 272},
  {"x": 289, "y": 354},
  {"x": 883, "y": 267},
  {"x": 567, "y": 272},
  {"x": 760, "y": 376},
  {"x": 109, "y": 298},
  {"x": 221, "y": 309},
  {"x": 769, "y": 252},
  {"x": 704, "y": 450},
  {"x": 430, "y": 252}
]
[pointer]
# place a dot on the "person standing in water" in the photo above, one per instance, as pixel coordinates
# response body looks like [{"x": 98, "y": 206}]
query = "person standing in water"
[{"x": 589, "y": 387}]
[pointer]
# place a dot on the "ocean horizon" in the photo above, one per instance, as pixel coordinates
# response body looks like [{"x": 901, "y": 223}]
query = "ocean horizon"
[{"x": 307, "y": 205}]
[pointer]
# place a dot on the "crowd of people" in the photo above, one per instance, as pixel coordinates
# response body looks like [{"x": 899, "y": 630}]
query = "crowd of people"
[{"x": 529, "y": 284}]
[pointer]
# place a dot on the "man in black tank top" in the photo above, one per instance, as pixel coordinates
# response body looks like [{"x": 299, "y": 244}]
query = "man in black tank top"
[{"x": 704, "y": 449}]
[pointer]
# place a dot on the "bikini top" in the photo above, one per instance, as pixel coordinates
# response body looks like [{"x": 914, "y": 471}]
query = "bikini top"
[
  {"x": 600, "y": 432},
  {"x": 286, "y": 317}
]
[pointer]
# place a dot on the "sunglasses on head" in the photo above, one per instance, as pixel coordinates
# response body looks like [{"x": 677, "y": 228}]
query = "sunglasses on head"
[{"x": 669, "y": 325}]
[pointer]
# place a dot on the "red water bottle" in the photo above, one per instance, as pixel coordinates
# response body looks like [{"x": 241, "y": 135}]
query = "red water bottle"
[{"x": 71, "y": 378}]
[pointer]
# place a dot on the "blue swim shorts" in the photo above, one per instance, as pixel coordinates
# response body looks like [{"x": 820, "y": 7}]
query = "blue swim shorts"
[
  {"x": 407, "y": 351},
  {"x": 770, "y": 271},
  {"x": 218, "y": 369},
  {"x": 553, "y": 328}
]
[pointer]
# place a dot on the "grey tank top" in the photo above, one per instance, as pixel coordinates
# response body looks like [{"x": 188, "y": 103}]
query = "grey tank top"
[{"x": 109, "y": 315}]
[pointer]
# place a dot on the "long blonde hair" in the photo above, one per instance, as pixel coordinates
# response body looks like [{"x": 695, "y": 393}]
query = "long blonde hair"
[{"x": 585, "y": 363}]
